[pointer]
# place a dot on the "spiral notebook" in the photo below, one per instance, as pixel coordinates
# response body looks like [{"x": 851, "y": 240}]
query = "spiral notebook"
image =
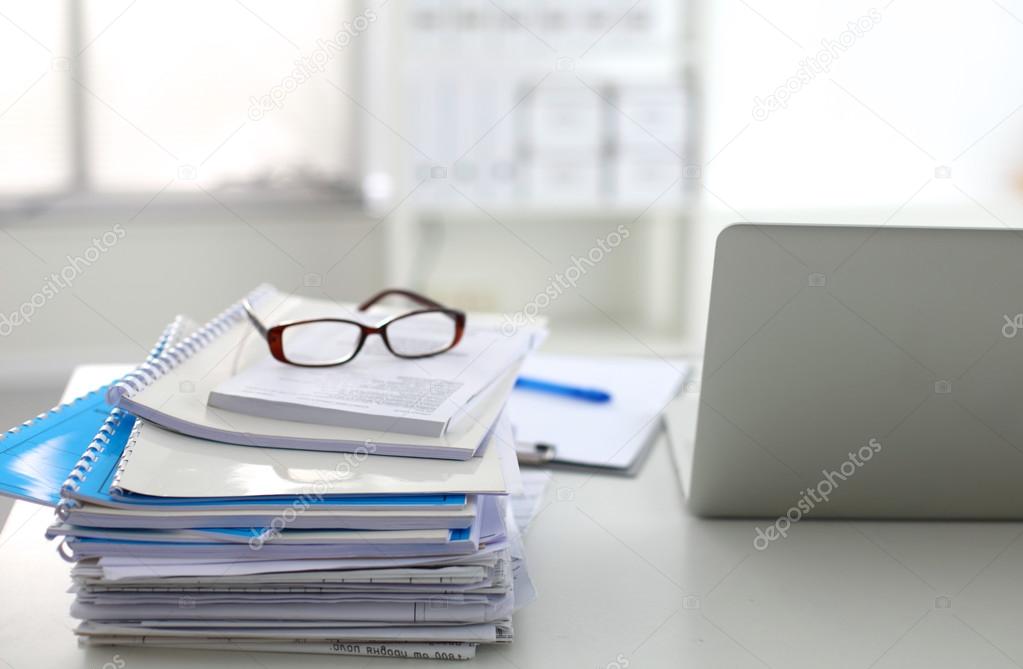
[
  {"x": 173, "y": 390},
  {"x": 158, "y": 463},
  {"x": 93, "y": 478}
]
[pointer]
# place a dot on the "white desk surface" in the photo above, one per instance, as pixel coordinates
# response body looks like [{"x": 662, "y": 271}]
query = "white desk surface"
[{"x": 627, "y": 578}]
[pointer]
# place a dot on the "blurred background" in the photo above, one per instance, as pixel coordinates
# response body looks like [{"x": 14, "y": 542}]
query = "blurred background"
[{"x": 572, "y": 160}]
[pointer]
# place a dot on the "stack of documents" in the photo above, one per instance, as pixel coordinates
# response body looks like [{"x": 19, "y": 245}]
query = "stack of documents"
[{"x": 280, "y": 535}]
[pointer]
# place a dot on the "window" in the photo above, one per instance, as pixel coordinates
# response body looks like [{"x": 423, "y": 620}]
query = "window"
[
  {"x": 138, "y": 96},
  {"x": 35, "y": 130}
]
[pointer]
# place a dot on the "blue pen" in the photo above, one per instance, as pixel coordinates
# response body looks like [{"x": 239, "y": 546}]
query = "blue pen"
[{"x": 585, "y": 394}]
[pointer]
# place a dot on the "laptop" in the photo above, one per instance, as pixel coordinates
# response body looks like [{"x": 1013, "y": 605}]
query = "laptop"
[{"x": 858, "y": 372}]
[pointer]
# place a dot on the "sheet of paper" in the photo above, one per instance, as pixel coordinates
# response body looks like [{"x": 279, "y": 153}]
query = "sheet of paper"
[
  {"x": 526, "y": 504},
  {"x": 484, "y": 633},
  {"x": 124, "y": 567},
  {"x": 403, "y": 612},
  {"x": 611, "y": 434},
  {"x": 374, "y": 648},
  {"x": 408, "y": 575}
]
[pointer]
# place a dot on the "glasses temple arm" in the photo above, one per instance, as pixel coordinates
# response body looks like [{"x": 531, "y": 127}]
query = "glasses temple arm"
[
  {"x": 251, "y": 313},
  {"x": 415, "y": 297}
]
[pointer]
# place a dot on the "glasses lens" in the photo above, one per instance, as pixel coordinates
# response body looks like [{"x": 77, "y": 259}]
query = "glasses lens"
[
  {"x": 421, "y": 334},
  {"x": 320, "y": 343}
]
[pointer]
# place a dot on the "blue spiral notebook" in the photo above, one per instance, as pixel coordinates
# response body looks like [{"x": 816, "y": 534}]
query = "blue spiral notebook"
[{"x": 37, "y": 456}]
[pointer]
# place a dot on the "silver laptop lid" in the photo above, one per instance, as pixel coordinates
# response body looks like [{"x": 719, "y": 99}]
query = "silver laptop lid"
[{"x": 862, "y": 372}]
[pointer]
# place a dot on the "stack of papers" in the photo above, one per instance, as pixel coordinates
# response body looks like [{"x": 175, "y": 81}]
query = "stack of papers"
[
  {"x": 178, "y": 541},
  {"x": 440, "y": 574}
]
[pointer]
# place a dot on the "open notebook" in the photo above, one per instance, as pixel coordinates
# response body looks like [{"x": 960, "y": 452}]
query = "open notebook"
[{"x": 174, "y": 390}]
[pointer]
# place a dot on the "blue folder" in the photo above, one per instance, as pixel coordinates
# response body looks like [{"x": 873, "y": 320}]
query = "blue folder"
[{"x": 36, "y": 457}]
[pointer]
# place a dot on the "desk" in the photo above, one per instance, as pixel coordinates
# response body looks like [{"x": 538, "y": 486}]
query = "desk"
[{"x": 627, "y": 578}]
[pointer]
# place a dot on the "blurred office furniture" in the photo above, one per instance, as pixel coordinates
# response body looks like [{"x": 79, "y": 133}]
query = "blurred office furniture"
[{"x": 556, "y": 120}]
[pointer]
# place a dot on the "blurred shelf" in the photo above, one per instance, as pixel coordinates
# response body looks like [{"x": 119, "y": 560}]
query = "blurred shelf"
[{"x": 544, "y": 214}]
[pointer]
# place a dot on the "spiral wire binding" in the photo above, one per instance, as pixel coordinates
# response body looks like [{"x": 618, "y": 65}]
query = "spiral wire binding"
[
  {"x": 46, "y": 414},
  {"x": 158, "y": 366},
  {"x": 129, "y": 446},
  {"x": 157, "y": 359},
  {"x": 102, "y": 438},
  {"x": 84, "y": 464}
]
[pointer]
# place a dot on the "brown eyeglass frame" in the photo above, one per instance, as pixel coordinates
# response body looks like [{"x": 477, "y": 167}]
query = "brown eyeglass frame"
[{"x": 274, "y": 335}]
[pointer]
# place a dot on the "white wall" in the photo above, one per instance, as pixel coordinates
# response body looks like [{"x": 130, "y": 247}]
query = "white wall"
[
  {"x": 928, "y": 84},
  {"x": 933, "y": 79},
  {"x": 173, "y": 258}
]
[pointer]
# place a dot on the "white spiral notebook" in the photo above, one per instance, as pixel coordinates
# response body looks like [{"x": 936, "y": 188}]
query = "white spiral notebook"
[{"x": 173, "y": 391}]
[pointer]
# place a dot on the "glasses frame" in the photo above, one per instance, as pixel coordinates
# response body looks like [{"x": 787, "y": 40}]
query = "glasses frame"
[{"x": 274, "y": 335}]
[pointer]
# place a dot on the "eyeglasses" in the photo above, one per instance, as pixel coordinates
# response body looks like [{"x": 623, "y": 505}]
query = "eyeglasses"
[{"x": 326, "y": 342}]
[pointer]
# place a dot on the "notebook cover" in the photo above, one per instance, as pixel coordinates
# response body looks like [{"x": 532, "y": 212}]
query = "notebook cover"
[{"x": 35, "y": 458}]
